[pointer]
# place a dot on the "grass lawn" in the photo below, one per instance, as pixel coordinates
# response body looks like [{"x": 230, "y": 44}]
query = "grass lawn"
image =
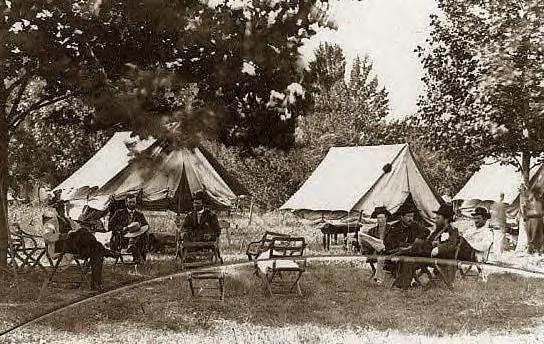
[
  {"x": 340, "y": 303},
  {"x": 336, "y": 296}
]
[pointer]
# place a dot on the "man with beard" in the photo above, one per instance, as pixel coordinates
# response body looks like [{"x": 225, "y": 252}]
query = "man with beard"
[
  {"x": 129, "y": 229},
  {"x": 440, "y": 244},
  {"x": 201, "y": 224},
  {"x": 404, "y": 232},
  {"x": 373, "y": 242},
  {"x": 63, "y": 236}
]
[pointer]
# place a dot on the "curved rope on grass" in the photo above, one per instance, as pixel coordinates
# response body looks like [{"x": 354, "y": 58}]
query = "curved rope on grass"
[{"x": 365, "y": 258}]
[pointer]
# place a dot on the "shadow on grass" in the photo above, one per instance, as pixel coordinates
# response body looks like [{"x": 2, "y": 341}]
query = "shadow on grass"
[{"x": 334, "y": 296}]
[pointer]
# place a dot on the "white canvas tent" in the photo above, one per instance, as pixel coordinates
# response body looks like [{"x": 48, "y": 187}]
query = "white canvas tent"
[
  {"x": 492, "y": 179},
  {"x": 166, "y": 178},
  {"x": 353, "y": 180}
]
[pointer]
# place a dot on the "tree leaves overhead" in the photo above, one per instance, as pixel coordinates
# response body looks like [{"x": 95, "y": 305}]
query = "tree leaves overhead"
[
  {"x": 242, "y": 60},
  {"x": 484, "y": 90}
]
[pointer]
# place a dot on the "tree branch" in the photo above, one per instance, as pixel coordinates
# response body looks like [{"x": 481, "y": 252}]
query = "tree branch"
[
  {"x": 38, "y": 105},
  {"x": 22, "y": 87}
]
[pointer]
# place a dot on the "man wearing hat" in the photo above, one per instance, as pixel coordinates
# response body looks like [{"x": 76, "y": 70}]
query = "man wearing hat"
[
  {"x": 440, "y": 243},
  {"x": 373, "y": 242},
  {"x": 201, "y": 224},
  {"x": 129, "y": 229},
  {"x": 476, "y": 241},
  {"x": 76, "y": 241},
  {"x": 404, "y": 232}
]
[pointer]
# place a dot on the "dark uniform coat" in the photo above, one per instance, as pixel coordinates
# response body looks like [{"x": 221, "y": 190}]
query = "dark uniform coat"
[{"x": 205, "y": 229}]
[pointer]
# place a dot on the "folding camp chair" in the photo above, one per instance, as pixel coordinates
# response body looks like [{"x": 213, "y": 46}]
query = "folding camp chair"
[
  {"x": 75, "y": 273},
  {"x": 256, "y": 248},
  {"x": 26, "y": 250},
  {"x": 467, "y": 270},
  {"x": 198, "y": 255},
  {"x": 282, "y": 248}
]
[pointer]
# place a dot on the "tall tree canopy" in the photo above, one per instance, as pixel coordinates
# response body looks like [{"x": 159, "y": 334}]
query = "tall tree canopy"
[
  {"x": 484, "y": 82},
  {"x": 484, "y": 89},
  {"x": 130, "y": 61}
]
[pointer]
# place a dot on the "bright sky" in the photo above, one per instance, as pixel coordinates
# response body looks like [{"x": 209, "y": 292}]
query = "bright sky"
[{"x": 388, "y": 31}]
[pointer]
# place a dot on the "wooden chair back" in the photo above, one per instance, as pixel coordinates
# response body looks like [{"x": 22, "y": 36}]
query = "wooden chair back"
[
  {"x": 199, "y": 254},
  {"x": 281, "y": 247},
  {"x": 269, "y": 237}
]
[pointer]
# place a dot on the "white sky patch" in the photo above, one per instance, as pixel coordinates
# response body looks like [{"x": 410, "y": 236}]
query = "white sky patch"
[{"x": 388, "y": 31}]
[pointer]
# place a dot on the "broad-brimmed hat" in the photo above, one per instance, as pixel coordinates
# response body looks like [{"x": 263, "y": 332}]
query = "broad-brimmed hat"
[
  {"x": 406, "y": 208},
  {"x": 380, "y": 210},
  {"x": 481, "y": 211},
  {"x": 55, "y": 199},
  {"x": 141, "y": 230},
  {"x": 445, "y": 210}
]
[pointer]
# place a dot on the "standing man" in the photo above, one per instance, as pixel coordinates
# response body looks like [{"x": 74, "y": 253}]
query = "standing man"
[
  {"x": 201, "y": 224},
  {"x": 129, "y": 228},
  {"x": 498, "y": 224},
  {"x": 533, "y": 213}
]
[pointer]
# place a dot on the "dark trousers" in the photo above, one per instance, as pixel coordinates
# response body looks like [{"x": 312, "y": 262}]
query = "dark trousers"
[
  {"x": 84, "y": 244},
  {"x": 137, "y": 246},
  {"x": 405, "y": 270}
]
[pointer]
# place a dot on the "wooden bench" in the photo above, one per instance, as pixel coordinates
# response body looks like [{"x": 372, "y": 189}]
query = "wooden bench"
[
  {"x": 282, "y": 258},
  {"x": 256, "y": 248}
]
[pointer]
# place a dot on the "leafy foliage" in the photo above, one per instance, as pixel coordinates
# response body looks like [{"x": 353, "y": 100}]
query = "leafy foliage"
[
  {"x": 52, "y": 144},
  {"x": 132, "y": 62},
  {"x": 342, "y": 112},
  {"x": 484, "y": 91}
]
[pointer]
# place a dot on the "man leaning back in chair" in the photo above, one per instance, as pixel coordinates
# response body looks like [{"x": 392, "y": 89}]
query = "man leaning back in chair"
[{"x": 62, "y": 235}]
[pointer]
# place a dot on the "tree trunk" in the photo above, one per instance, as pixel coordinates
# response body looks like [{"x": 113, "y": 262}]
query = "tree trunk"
[
  {"x": 4, "y": 176},
  {"x": 525, "y": 169}
]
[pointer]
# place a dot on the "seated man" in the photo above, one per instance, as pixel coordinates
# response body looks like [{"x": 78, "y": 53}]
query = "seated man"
[
  {"x": 441, "y": 243},
  {"x": 476, "y": 242},
  {"x": 201, "y": 224},
  {"x": 406, "y": 231},
  {"x": 129, "y": 229},
  {"x": 373, "y": 242},
  {"x": 62, "y": 239}
]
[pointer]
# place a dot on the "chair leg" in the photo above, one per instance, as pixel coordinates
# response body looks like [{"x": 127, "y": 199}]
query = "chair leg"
[
  {"x": 190, "y": 279},
  {"x": 444, "y": 278},
  {"x": 266, "y": 283},
  {"x": 297, "y": 283},
  {"x": 53, "y": 273},
  {"x": 222, "y": 287}
]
